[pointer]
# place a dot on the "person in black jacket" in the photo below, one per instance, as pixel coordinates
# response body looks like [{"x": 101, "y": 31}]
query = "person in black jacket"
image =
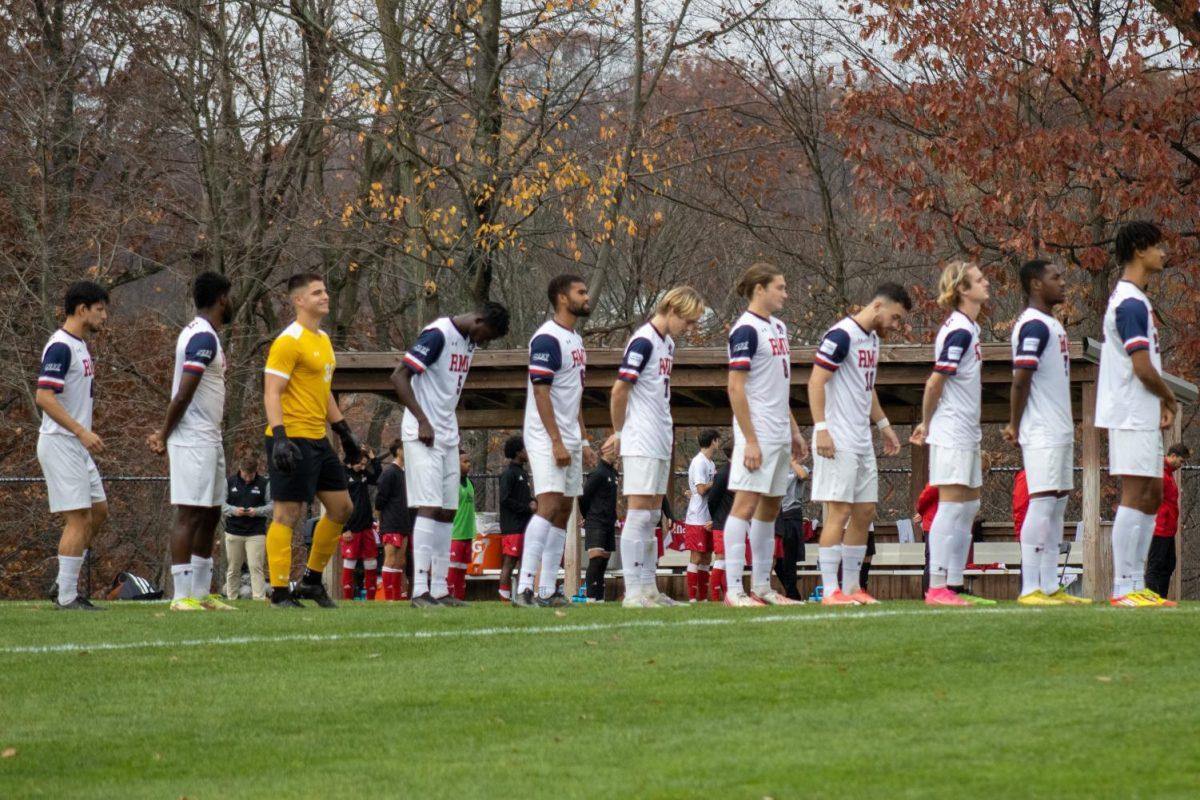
[
  {"x": 720, "y": 503},
  {"x": 247, "y": 509},
  {"x": 598, "y": 507},
  {"x": 395, "y": 522},
  {"x": 358, "y": 537},
  {"x": 516, "y": 509}
]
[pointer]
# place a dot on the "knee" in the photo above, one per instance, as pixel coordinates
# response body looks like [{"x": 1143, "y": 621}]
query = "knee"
[
  {"x": 99, "y": 514},
  {"x": 286, "y": 514},
  {"x": 1152, "y": 498}
]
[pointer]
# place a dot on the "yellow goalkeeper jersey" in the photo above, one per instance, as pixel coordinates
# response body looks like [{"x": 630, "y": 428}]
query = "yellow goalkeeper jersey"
[{"x": 306, "y": 360}]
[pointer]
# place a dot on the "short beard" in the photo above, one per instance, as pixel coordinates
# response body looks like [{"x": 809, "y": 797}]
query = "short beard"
[{"x": 580, "y": 311}]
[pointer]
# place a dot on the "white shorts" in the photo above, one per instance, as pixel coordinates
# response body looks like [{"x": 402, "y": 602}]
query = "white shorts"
[
  {"x": 645, "y": 476},
  {"x": 197, "y": 475},
  {"x": 549, "y": 477},
  {"x": 1135, "y": 453},
  {"x": 1049, "y": 469},
  {"x": 845, "y": 478},
  {"x": 950, "y": 466},
  {"x": 72, "y": 480},
  {"x": 431, "y": 475},
  {"x": 770, "y": 479}
]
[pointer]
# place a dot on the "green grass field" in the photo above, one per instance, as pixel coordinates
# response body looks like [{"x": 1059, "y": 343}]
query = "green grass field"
[{"x": 386, "y": 701}]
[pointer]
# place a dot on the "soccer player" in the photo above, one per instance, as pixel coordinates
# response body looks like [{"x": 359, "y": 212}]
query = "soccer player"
[
  {"x": 720, "y": 502},
  {"x": 644, "y": 435},
  {"x": 697, "y": 521},
  {"x": 598, "y": 510},
  {"x": 950, "y": 424},
  {"x": 555, "y": 439},
  {"x": 302, "y": 464},
  {"x": 66, "y": 443},
  {"x": 464, "y": 530},
  {"x": 191, "y": 437},
  {"x": 516, "y": 509},
  {"x": 844, "y": 403},
  {"x": 1041, "y": 422},
  {"x": 765, "y": 435},
  {"x": 358, "y": 537},
  {"x": 395, "y": 522},
  {"x": 428, "y": 383},
  {"x": 1135, "y": 404}
]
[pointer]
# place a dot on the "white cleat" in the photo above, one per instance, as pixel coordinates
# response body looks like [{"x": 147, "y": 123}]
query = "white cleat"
[
  {"x": 742, "y": 601},
  {"x": 638, "y": 602},
  {"x": 774, "y": 598},
  {"x": 663, "y": 600}
]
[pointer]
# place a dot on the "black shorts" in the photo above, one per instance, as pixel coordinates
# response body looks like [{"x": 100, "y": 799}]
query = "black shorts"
[
  {"x": 600, "y": 539},
  {"x": 318, "y": 470}
]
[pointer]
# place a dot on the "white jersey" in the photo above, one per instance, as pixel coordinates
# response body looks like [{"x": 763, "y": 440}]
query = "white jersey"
[
  {"x": 759, "y": 345},
  {"x": 67, "y": 370},
  {"x": 955, "y": 422},
  {"x": 701, "y": 471},
  {"x": 198, "y": 351},
  {"x": 1040, "y": 344},
  {"x": 439, "y": 362},
  {"x": 648, "y": 431},
  {"x": 556, "y": 359},
  {"x": 852, "y": 355},
  {"x": 1122, "y": 400}
]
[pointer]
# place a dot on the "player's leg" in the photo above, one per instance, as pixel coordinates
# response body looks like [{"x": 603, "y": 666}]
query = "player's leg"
[
  {"x": 536, "y": 532},
  {"x": 717, "y": 582},
  {"x": 1151, "y": 499},
  {"x": 762, "y": 549},
  {"x": 1036, "y": 535},
  {"x": 548, "y": 592},
  {"x": 391, "y": 561},
  {"x": 854, "y": 550},
  {"x": 460, "y": 559},
  {"x": 77, "y": 528},
  {"x": 736, "y": 533},
  {"x": 693, "y": 576},
  {"x": 369, "y": 550},
  {"x": 350, "y": 544},
  {"x": 835, "y": 517},
  {"x": 446, "y": 460},
  {"x": 187, "y": 521},
  {"x": 514, "y": 546},
  {"x": 235, "y": 558},
  {"x": 203, "y": 539},
  {"x": 256, "y": 563},
  {"x": 597, "y": 566},
  {"x": 285, "y": 516}
]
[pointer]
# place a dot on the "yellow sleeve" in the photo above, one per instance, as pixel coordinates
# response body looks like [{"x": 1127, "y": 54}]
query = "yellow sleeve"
[{"x": 282, "y": 357}]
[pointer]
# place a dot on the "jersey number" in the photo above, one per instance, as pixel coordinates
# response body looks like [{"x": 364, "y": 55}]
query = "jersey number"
[
  {"x": 787, "y": 370},
  {"x": 870, "y": 379}
]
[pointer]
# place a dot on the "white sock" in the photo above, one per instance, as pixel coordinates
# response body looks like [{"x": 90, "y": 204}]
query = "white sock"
[
  {"x": 762, "y": 552},
  {"x": 531, "y": 556},
  {"x": 829, "y": 559},
  {"x": 440, "y": 564},
  {"x": 650, "y": 566},
  {"x": 201, "y": 577},
  {"x": 1124, "y": 546},
  {"x": 1142, "y": 552},
  {"x": 941, "y": 537},
  {"x": 68, "y": 578},
  {"x": 736, "y": 530},
  {"x": 1035, "y": 533},
  {"x": 852, "y": 558},
  {"x": 181, "y": 580},
  {"x": 960, "y": 544},
  {"x": 552, "y": 556},
  {"x": 639, "y": 528},
  {"x": 424, "y": 539},
  {"x": 1050, "y": 583}
]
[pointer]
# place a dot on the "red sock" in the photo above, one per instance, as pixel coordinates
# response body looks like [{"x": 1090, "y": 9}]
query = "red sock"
[
  {"x": 693, "y": 582},
  {"x": 702, "y": 584},
  {"x": 347, "y": 583},
  {"x": 370, "y": 583},
  {"x": 718, "y": 584},
  {"x": 456, "y": 581}
]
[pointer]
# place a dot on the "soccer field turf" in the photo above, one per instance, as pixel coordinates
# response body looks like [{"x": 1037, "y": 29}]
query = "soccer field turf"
[{"x": 386, "y": 701}]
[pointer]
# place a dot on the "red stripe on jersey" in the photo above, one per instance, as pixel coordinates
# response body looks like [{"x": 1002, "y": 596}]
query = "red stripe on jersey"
[
  {"x": 195, "y": 369},
  {"x": 412, "y": 362},
  {"x": 829, "y": 365},
  {"x": 1139, "y": 343},
  {"x": 540, "y": 371},
  {"x": 946, "y": 369}
]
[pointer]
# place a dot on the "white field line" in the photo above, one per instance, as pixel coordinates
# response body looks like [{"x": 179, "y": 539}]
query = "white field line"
[{"x": 318, "y": 638}]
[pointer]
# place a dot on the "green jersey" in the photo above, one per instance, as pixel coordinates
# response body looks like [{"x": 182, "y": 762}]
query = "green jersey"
[{"x": 464, "y": 519}]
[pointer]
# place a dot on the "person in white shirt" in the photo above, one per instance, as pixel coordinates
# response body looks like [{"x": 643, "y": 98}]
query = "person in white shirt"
[
  {"x": 191, "y": 436},
  {"x": 765, "y": 435},
  {"x": 1135, "y": 404},
  {"x": 644, "y": 435},
  {"x": 1041, "y": 423},
  {"x": 66, "y": 444},
  {"x": 844, "y": 403},
  {"x": 429, "y": 382},
  {"x": 697, "y": 522},
  {"x": 555, "y": 439},
  {"x": 950, "y": 425}
]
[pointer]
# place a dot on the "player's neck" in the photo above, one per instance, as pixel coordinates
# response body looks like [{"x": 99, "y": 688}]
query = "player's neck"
[
  {"x": 759, "y": 309},
  {"x": 969, "y": 308},
  {"x": 865, "y": 319},
  {"x": 1136, "y": 274},
  {"x": 1038, "y": 304},
  {"x": 565, "y": 318},
  {"x": 75, "y": 327},
  {"x": 212, "y": 317},
  {"x": 659, "y": 323},
  {"x": 308, "y": 320}
]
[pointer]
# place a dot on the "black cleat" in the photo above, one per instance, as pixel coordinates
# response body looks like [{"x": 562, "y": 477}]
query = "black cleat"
[
  {"x": 282, "y": 598},
  {"x": 52, "y": 592},
  {"x": 88, "y": 603},
  {"x": 78, "y": 604},
  {"x": 426, "y": 601},
  {"x": 556, "y": 600},
  {"x": 524, "y": 599},
  {"x": 451, "y": 600},
  {"x": 315, "y": 592}
]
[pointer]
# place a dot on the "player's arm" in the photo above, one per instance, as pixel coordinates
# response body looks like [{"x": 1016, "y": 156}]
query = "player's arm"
[
  {"x": 545, "y": 359},
  {"x": 827, "y": 359},
  {"x": 1032, "y": 339},
  {"x": 198, "y": 354},
  {"x": 589, "y": 455},
  {"x": 351, "y": 449},
  {"x": 929, "y": 403},
  {"x": 743, "y": 344},
  {"x": 954, "y": 347},
  {"x": 281, "y": 361},
  {"x": 425, "y": 351},
  {"x": 891, "y": 442},
  {"x": 1133, "y": 326},
  {"x": 51, "y": 381},
  {"x": 637, "y": 355}
]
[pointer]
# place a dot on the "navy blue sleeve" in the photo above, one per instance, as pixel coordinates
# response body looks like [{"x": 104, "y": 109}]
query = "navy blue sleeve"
[
  {"x": 199, "y": 352},
  {"x": 55, "y": 363},
  {"x": 545, "y": 358},
  {"x": 953, "y": 349},
  {"x": 832, "y": 350},
  {"x": 743, "y": 344},
  {"x": 637, "y": 355},
  {"x": 1133, "y": 325},
  {"x": 1031, "y": 343},
  {"x": 425, "y": 351}
]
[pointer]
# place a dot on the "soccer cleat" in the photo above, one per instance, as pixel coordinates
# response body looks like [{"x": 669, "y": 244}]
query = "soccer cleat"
[
  {"x": 187, "y": 604},
  {"x": 524, "y": 599},
  {"x": 861, "y": 597},
  {"x": 425, "y": 600},
  {"x": 452, "y": 601},
  {"x": 1131, "y": 600},
  {"x": 1070, "y": 599},
  {"x": 88, "y": 603},
  {"x": 75, "y": 605},
  {"x": 556, "y": 600},
  {"x": 315, "y": 592},
  {"x": 838, "y": 598},
  {"x": 975, "y": 600},
  {"x": 740, "y": 600},
  {"x": 1038, "y": 598},
  {"x": 281, "y": 597},
  {"x": 214, "y": 602},
  {"x": 944, "y": 597},
  {"x": 637, "y": 601},
  {"x": 1156, "y": 598},
  {"x": 663, "y": 600},
  {"x": 774, "y": 598}
]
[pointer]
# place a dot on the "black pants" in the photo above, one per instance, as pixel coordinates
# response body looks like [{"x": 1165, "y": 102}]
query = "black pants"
[
  {"x": 1160, "y": 564},
  {"x": 790, "y": 529}
]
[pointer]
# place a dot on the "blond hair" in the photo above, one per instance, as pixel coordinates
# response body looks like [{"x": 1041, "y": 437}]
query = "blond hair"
[
  {"x": 955, "y": 277},
  {"x": 684, "y": 301},
  {"x": 759, "y": 273}
]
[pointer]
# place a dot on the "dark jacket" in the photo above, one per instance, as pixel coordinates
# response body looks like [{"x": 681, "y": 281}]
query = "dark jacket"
[
  {"x": 720, "y": 499},
  {"x": 255, "y": 495},
  {"x": 360, "y": 484},
  {"x": 391, "y": 500},
  {"x": 515, "y": 497},
  {"x": 598, "y": 503}
]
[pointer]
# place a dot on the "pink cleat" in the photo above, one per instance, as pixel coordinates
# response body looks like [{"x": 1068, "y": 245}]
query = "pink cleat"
[
  {"x": 943, "y": 597},
  {"x": 837, "y": 598},
  {"x": 862, "y": 598}
]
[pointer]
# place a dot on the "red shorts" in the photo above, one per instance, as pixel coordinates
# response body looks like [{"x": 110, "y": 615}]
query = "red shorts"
[
  {"x": 460, "y": 553},
  {"x": 697, "y": 538},
  {"x": 397, "y": 540},
  {"x": 719, "y": 545},
  {"x": 361, "y": 545},
  {"x": 513, "y": 544}
]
